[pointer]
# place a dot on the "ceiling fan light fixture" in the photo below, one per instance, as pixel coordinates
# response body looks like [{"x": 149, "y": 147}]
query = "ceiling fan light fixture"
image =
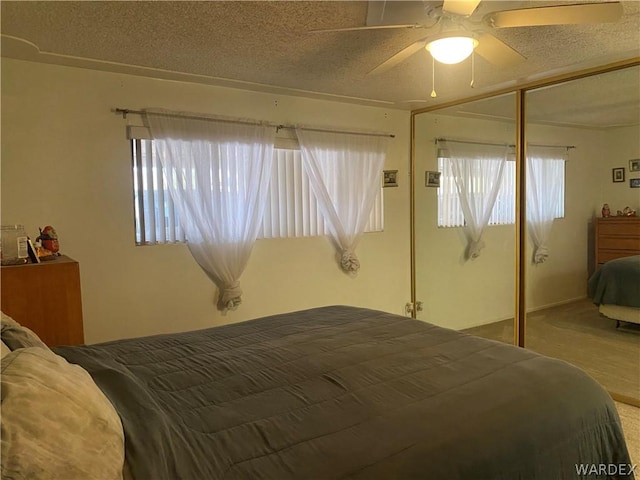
[{"x": 453, "y": 49}]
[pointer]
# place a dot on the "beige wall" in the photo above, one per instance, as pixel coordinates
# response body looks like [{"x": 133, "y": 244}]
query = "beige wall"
[
  {"x": 460, "y": 294},
  {"x": 66, "y": 162},
  {"x": 563, "y": 277},
  {"x": 621, "y": 145}
]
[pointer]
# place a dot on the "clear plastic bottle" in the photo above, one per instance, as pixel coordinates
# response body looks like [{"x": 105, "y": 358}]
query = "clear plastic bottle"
[{"x": 14, "y": 245}]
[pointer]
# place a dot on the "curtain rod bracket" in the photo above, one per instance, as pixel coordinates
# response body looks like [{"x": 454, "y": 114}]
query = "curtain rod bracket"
[{"x": 122, "y": 111}]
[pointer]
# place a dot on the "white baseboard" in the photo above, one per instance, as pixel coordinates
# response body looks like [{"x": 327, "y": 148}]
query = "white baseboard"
[
  {"x": 556, "y": 304},
  {"x": 529, "y": 310}
]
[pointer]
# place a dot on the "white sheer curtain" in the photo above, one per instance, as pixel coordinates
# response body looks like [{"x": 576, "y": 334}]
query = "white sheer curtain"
[
  {"x": 545, "y": 174},
  {"x": 344, "y": 173},
  {"x": 477, "y": 170},
  {"x": 218, "y": 175}
]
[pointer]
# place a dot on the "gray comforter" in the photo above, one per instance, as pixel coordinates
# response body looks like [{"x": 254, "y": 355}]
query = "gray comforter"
[
  {"x": 343, "y": 392},
  {"x": 617, "y": 282}
]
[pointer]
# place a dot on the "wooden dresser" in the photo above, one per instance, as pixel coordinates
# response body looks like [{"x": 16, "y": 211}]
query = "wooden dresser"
[
  {"x": 45, "y": 297},
  {"x": 616, "y": 237}
]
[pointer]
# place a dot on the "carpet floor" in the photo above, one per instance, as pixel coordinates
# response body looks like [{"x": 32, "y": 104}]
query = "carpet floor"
[{"x": 630, "y": 418}]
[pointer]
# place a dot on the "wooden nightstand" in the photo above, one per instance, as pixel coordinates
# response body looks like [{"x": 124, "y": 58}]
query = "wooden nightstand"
[{"x": 45, "y": 297}]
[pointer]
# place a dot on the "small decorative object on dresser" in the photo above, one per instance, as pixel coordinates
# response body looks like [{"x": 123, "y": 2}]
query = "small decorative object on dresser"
[
  {"x": 634, "y": 165},
  {"x": 628, "y": 212},
  {"x": 13, "y": 245},
  {"x": 49, "y": 239},
  {"x": 618, "y": 175},
  {"x": 606, "y": 211},
  {"x": 33, "y": 253}
]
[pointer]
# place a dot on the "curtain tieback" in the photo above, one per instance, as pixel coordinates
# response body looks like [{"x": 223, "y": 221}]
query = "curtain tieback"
[
  {"x": 474, "y": 248},
  {"x": 230, "y": 296},
  {"x": 541, "y": 255},
  {"x": 349, "y": 261}
]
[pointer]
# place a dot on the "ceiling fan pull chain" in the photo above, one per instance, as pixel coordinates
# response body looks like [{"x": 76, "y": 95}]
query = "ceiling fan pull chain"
[
  {"x": 433, "y": 78},
  {"x": 473, "y": 68}
]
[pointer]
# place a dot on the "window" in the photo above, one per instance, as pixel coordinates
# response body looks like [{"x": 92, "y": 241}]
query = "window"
[
  {"x": 504, "y": 210},
  {"x": 291, "y": 209},
  {"x": 155, "y": 218}
]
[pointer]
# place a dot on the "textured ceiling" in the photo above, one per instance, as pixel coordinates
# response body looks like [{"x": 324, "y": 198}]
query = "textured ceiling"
[
  {"x": 267, "y": 46},
  {"x": 608, "y": 100}
]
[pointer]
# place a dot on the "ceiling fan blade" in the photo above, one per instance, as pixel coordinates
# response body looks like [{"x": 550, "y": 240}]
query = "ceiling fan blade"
[
  {"x": 393, "y": 12},
  {"x": 460, "y": 7},
  {"x": 497, "y": 52},
  {"x": 371, "y": 27},
  {"x": 557, "y": 15},
  {"x": 401, "y": 56}
]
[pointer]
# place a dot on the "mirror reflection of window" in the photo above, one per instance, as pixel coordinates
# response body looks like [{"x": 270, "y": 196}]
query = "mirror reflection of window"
[{"x": 456, "y": 290}]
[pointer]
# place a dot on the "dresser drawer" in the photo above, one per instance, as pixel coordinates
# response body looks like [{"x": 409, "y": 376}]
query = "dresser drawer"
[
  {"x": 606, "y": 255},
  {"x": 627, "y": 227},
  {"x": 616, "y": 237},
  {"x": 619, "y": 243}
]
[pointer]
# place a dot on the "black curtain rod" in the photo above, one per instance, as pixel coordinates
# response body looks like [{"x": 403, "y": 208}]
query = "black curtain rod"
[
  {"x": 125, "y": 111},
  {"x": 568, "y": 147}
]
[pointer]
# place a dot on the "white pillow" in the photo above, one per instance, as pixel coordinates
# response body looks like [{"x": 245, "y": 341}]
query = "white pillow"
[
  {"x": 4, "y": 349},
  {"x": 16, "y": 336},
  {"x": 56, "y": 422}
]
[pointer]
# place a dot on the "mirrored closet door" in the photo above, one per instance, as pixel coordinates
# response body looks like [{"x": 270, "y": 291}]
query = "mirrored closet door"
[
  {"x": 581, "y": 136},
  {"x": 464, "y": 253},
  {"x": 582, "y": 153}
]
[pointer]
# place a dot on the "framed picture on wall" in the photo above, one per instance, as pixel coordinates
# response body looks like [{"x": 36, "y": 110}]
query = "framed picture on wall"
[
  {"x": 390, "y": 178},
  {"x": 634, "y": 183},
  {"x": 618, "y": 174},
  {"x": 634, "y": 165},
  {"x": 432, "y": 179}
]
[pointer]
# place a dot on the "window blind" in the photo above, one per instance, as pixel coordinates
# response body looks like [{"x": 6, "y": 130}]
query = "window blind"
[
  {"x": 504, "y": 211},
  {"x": 291, "y": 211}
]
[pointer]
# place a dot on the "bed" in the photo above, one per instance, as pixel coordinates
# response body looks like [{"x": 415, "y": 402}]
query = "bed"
[
  {"x": 615, "y": 288},
  {"x": 327, "y": 393},
  {"x": 616, "y": 238}
]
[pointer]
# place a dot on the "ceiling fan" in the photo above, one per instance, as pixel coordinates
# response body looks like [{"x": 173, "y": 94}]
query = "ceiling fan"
[{"x": 453, "y": 20}]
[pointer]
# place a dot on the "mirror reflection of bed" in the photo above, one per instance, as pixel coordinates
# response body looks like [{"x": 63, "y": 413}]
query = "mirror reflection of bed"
[
  {"x": 615, "y": 289},
  {"x": 615, "y": 285}
]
